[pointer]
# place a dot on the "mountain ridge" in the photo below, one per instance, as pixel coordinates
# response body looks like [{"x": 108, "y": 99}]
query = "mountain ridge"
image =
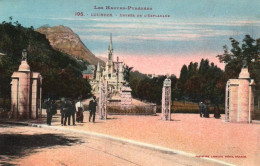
[{"x": 63, "y": 39}]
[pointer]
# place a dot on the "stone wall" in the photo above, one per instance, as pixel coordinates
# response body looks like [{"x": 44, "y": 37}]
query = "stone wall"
[{"x": 132, "y": 110}]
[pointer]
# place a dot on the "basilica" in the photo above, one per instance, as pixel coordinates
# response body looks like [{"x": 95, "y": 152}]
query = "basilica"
[{"x": 113, "y": 73}]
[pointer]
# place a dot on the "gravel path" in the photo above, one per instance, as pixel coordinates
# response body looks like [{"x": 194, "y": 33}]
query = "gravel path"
[
  {"x": 234, "y": 143},
  {"x": 238, "y": 144},
  {"x": 33, "y": 146}
]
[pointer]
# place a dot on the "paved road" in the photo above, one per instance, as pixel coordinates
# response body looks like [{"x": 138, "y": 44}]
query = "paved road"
[{"x": 23, "y": 145}]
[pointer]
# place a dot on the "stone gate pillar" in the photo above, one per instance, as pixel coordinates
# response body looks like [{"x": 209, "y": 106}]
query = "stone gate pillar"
[
  {"x": 25, "y": 91},
  {"x": 102, "y": 103},
  {"x": 239, "y": 105},
  {"x": 166, "y": 100}
]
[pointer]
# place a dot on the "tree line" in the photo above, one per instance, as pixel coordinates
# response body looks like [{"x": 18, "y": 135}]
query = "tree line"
[
  {"x": 196, "y": 83},
  {"x": 203, "y": 81}
]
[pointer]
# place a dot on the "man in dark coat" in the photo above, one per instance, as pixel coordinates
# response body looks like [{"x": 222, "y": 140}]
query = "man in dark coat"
[
  {"x": 201, "y": 109},
  {"x": 63, "y": 109},
  {"x": 206, "y": 110},
  {"x": 48, "y": 111},
  {"x": 51, "y": 109},
  {"x": 216, "y": 111},
  {"x": 72, "y": 111},
  {"x": 68, "y": 112},
  {"x": 92, "y": 108}
]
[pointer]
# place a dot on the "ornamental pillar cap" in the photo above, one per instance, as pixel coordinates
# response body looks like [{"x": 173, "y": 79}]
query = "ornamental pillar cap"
[
  {"x": 244, "y": 74},
  {"x": 24, "y": 66}
]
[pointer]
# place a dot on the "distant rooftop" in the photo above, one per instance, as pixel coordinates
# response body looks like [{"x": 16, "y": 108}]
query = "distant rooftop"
[{"x": 90, "y": 70}]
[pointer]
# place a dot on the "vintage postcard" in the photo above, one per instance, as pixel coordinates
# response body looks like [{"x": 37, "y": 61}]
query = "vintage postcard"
[{"x": 127, "y": 82}]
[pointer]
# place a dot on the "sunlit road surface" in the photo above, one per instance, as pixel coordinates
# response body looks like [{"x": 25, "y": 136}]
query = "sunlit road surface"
[{"x": 22, "y": 145}]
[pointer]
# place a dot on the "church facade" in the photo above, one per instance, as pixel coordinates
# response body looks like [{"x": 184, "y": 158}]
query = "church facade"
[{"x": 113, "y": 73}]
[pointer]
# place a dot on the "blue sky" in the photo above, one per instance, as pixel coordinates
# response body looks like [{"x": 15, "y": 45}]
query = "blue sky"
[{"x": 195, "y": 29}]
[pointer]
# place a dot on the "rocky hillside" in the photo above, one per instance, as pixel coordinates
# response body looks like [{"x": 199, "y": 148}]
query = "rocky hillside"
[{"x": 65, "y": 40}]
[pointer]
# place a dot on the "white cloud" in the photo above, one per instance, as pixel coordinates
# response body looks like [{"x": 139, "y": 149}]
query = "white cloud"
[
  {"x": 148, "y": 30},
  {"x": 160, "y": 36}
]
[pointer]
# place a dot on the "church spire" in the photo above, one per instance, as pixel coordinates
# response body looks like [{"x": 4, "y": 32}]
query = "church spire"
[
  {"x": 110, "y": 45},
  {"x": 98, "y": 72},
  {"x": 110, "y": 49}
]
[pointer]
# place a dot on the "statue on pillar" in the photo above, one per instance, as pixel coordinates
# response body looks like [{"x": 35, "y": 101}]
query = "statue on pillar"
[
  {"x": 166, "y": 99},
  {"x": 244, "y": 61},
  {"x": 24, "y": 55}
]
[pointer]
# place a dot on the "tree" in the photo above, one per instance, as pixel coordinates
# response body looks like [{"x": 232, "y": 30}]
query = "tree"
[
  {"x": 249, "y": 51},
  {"x": 198, "y": 83},
  {"x": 127, "y": 71},
  {"x": 204, "y": 66},
  {"x": 184, "y": 74},
  {"x": 192, "y": 69},
  {"x": 134, "y": 79}
]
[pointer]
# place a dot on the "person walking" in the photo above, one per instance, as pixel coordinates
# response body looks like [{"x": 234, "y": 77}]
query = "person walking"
[{"x": 92, "y": 108}]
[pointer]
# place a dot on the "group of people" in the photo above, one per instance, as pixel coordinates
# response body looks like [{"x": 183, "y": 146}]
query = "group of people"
[
  {"x": 70, "y": 109},
  {"x": 204, "y": 110},
  {"x": 67, "y": 110}
]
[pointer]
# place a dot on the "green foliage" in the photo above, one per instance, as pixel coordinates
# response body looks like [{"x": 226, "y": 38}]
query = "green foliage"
[
  {"x": 249, "y": 51},
  {"x": 184, "y": 74},
  {"x": 127, "y": 71},
  {"x": 148, "y": 89},
  {"x": 61, "y": 73},
  {"x": 198, "y": 83},
  {"x": 134, "y": 80}
]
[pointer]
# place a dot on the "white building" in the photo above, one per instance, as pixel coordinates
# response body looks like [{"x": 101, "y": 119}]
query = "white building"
[{"x": 113, "y": 73}]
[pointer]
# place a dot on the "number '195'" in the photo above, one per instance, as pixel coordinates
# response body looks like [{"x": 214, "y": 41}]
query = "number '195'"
[{"x": 79, "y": 14}]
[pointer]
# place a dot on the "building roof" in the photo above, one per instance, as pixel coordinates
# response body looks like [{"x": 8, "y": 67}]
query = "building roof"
[
  {"x": 90, "y": 70},
  {"x": 1, "y": 54}
]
